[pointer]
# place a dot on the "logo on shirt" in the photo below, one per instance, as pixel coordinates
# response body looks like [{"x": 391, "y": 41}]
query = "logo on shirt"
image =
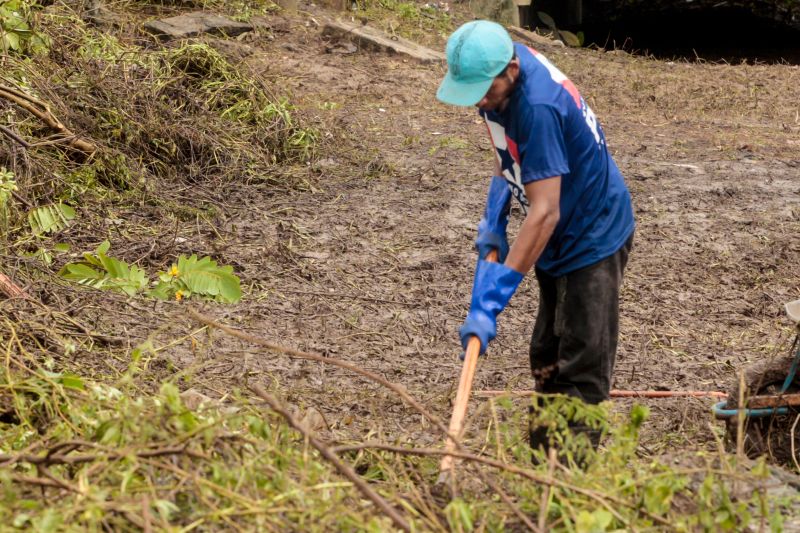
[{"x": 508, "y": 157}]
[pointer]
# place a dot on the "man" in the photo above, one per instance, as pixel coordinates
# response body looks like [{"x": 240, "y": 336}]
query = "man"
[{"x": 578, "y": 227}]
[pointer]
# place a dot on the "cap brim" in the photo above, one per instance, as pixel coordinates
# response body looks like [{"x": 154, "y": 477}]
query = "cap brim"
[{"x": 459, "y": 93}]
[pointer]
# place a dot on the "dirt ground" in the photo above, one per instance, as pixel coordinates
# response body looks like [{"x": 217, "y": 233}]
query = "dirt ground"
[{"x": 371, "y": 259}]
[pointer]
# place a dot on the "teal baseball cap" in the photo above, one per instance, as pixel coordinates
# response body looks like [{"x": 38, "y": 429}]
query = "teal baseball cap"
[{"x": 476, "y": 53}]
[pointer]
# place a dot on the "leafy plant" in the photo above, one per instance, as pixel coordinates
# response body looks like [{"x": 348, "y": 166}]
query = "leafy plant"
[
  {"x": 191, "y": 276},
  {"x": 50, "y": 218},
  {"x": 16, "y": 34},
  {"x": 102, "y": 272},
  {"x": 7, "y": 187},
  {"x": 188, "y": 277}
]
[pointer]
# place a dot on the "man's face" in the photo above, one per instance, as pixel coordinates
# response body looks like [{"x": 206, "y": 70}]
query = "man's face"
[{"x": 496, "y": 98}]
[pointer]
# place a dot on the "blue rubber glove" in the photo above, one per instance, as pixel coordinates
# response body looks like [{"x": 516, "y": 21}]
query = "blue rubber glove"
[
  {"x": 492, "y": 227},
  {"x": 494, "y": 285}
]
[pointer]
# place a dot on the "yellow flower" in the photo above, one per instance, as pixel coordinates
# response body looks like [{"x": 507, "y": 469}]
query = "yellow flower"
[
  {"x": 179, "y": 295},
  {"x": 174, "y": 271}
]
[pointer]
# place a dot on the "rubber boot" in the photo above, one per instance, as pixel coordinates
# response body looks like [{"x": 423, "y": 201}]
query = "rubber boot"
[{"x": 540, "y": 438}]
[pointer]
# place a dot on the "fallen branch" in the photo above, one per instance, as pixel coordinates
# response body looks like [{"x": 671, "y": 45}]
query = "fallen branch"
[
  {"x": 14, "y": 137},
  {"x": 344, "y": 469},
  {"x": 777, "y": 400},
  {"x": 42, "y": 111},
  {"x": 10, "y": 289},
  {"x": 57, "y": 459}
]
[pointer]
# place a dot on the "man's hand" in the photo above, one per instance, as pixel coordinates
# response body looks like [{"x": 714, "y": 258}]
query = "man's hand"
[
  {"x": 492, "y": 227},
  {"x": 492, "y": 289}
]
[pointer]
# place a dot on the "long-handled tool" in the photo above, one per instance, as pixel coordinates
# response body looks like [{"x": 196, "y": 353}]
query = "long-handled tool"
[{"x": 462, "y": 399}]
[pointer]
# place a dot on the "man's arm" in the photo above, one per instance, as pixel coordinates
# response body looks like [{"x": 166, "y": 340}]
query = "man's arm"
[{"x": 543, "y": 215}]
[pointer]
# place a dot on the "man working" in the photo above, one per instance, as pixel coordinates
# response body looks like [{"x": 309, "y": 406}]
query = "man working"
[{"x": 578, "y": 228}]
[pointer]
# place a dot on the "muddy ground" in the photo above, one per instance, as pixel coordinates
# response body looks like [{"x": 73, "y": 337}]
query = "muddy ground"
[{"x": 370, "y": 259}]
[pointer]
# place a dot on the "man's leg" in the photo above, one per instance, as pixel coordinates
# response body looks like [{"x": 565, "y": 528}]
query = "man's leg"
[
  {"x": 580, "y": 320},
  {"x": 544, "y": 343},
  {"x": 543, "y": 350},
  {"x": 587, "y": 325}
]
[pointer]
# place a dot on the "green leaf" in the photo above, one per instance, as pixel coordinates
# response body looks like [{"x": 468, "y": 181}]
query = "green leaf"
[
  {"x": 72, "y": 381},
  {"x": 205, "y": 278},
  {"x": 49, "y": 521},
  {"x": 166, "y": 508},
  {"x": 163, "y": 291},
  {"x": 10, "y": 41},
  {"x": 101, "y": 271},
  {"x": 83, "y": 274},
  {"x": 50, "y": 218},
  {"x": 104, "y": 247},
  {"x": 21, "y": 519}
]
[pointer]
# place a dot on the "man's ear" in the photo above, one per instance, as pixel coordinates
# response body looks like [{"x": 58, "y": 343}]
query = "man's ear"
[{"x": 513, "y": 68}]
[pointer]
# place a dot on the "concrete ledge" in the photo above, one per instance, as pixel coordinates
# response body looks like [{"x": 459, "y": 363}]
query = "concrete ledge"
[{"x": 368, "y": 38}]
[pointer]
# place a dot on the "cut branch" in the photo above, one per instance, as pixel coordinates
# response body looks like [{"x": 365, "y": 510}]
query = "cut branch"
[
  {"x": 10, "y": 289},
  {"x": 42, "y": 111}
]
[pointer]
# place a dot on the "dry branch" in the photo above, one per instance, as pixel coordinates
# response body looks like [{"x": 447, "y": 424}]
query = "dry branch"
[
  {"x": 10, "y": 289},
  {"x": 397, "y": 389},
  {"x": 777, "y": 400},
  {"x": 42, "y": 111},
  {"x": 61, "y": 458}
]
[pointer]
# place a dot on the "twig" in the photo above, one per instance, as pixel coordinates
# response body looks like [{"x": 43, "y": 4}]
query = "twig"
[
  {"x": 326, "y": 452},
  {"x": 42, "y": 482},
  {"x": 146, "y": 518},
  {"x": 89, "y": 457},
  {"x": 791, "y": 435},
  {"x": 13, "y": 136},
  {"x": 10, "y": 289},
  {"x": 545, "y": 501}
]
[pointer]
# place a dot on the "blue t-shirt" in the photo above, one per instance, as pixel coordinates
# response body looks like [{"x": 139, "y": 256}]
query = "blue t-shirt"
[{"x": 548, "y": 130}]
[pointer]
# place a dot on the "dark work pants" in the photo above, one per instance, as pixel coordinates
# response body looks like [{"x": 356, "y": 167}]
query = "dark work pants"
[{"x": 574, "y": 342}]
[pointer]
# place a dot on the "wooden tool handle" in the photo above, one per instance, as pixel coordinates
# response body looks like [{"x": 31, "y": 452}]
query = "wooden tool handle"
[{"x": 464, "y": 389}]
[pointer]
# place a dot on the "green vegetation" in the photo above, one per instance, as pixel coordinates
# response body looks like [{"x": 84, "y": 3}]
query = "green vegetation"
[
  {"x": 412, "y": 20},
  {"x": 83, "y": 454},
  {"x": 189, "y": 277},
  {"x": 87, "y": 456},
  {"x": 16, "y": 28}
]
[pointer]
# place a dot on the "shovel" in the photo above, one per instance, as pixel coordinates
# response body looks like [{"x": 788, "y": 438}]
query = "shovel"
[{"x": 462, "y": 399}]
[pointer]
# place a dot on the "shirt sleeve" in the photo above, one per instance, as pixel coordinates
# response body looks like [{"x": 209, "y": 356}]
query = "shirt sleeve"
[{"x": 542, "y": 151}]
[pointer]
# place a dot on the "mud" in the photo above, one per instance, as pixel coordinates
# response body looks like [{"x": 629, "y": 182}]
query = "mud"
[{"x": 370, "y": 260}]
